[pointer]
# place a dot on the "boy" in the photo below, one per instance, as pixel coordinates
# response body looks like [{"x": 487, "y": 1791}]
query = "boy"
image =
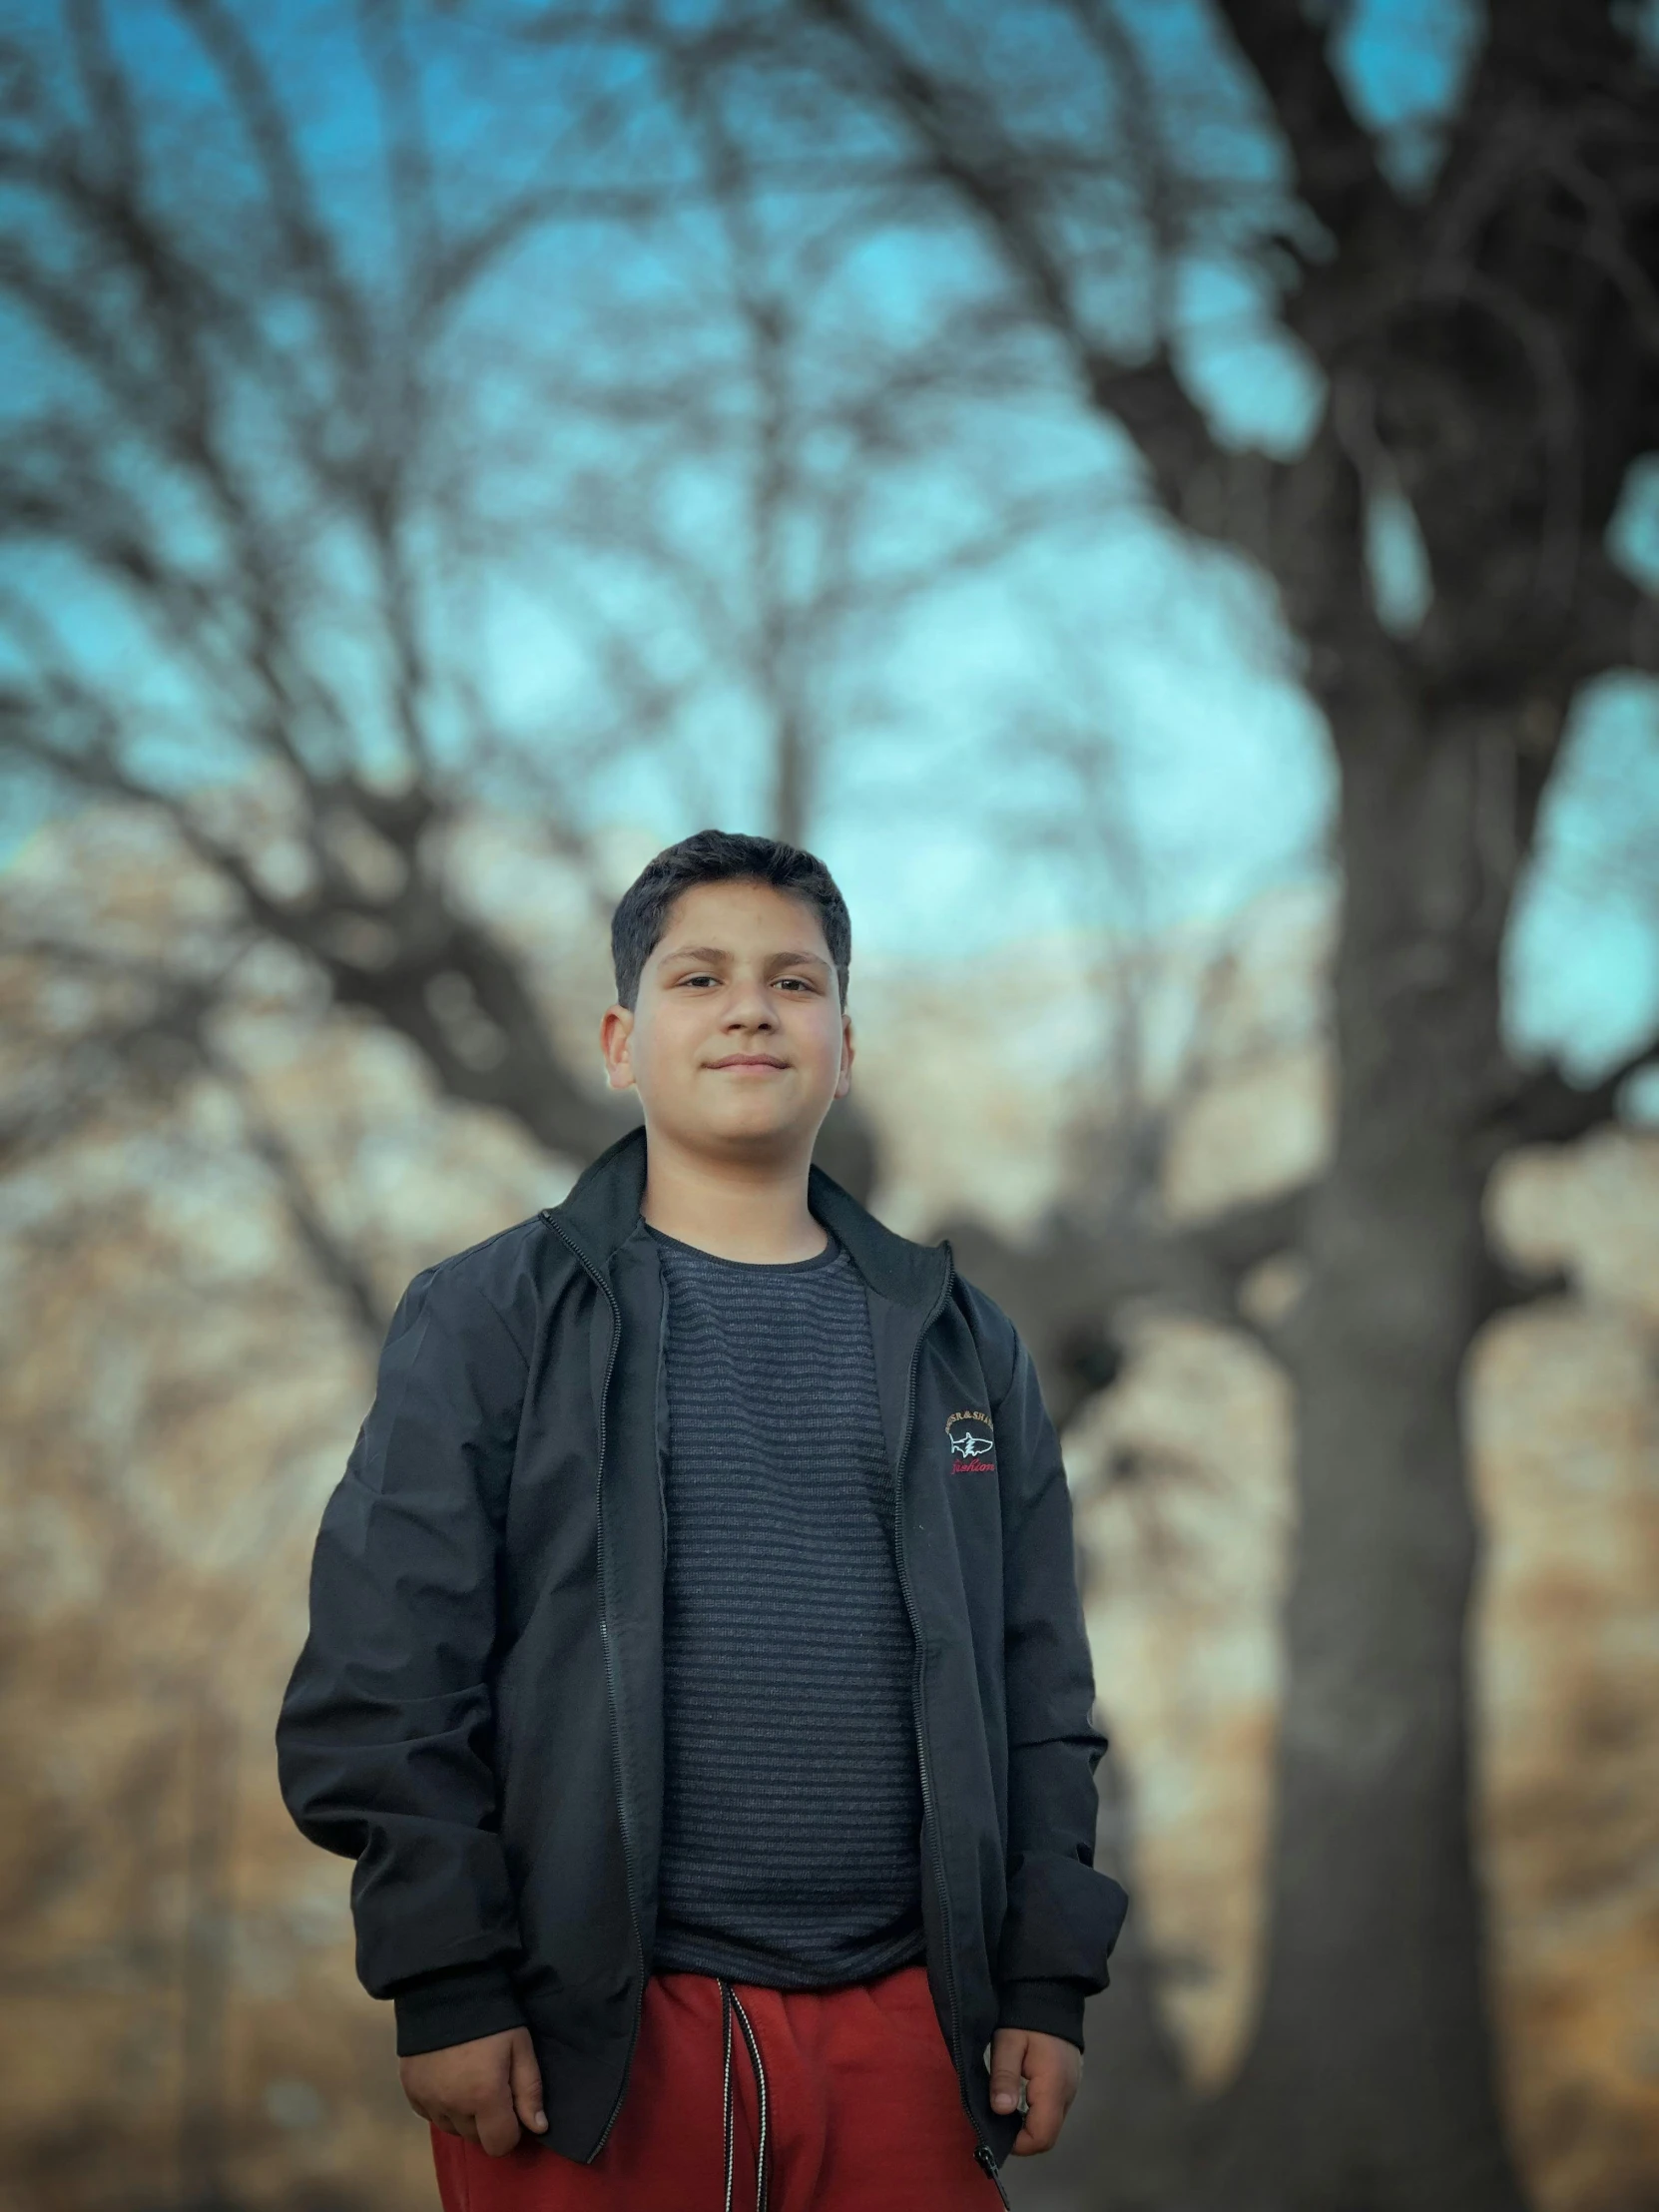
[{"x": 696, "y": 1671}]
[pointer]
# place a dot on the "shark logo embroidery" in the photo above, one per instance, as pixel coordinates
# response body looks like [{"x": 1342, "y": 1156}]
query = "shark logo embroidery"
[{"x": 972, "y": 1442}]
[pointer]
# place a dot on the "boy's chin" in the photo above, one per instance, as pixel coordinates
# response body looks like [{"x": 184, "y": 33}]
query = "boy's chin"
[{"x": 732, "y": 1135}]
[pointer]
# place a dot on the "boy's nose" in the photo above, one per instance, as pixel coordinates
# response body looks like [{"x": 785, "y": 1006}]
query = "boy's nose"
[{"x": 750, "y": 1011}]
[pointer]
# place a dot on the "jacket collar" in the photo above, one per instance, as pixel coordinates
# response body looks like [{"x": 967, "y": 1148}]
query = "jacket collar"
[
  {"x": 602, "y": 1212},
  {"x": 602, "y": 1208}
]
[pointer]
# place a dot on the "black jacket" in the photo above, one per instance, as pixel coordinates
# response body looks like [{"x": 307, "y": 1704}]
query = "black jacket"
[{"x": 476, "y": 1716}]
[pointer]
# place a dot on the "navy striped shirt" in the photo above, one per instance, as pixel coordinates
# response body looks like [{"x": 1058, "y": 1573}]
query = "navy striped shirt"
[{"x": 792, "y": 1808}]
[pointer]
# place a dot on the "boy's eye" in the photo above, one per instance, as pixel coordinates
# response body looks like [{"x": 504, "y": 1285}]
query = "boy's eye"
[{"x": 785, "y": 983}]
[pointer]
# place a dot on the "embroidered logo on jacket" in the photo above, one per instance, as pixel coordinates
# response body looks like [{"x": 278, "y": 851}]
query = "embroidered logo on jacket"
[{"x": 972, "y": 1442}]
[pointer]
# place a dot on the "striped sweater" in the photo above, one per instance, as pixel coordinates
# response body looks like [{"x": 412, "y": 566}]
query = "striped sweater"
[{"x": 792, "y": 1804}]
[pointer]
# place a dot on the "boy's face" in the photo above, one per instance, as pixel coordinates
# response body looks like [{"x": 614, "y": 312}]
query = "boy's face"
[{"x": 737, "y": 1042}]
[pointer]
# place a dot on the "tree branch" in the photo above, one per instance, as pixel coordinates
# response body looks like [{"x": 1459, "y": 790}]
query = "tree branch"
[
  {"x": 310, "y": 251},
  {"x": 145, "y": 1052},
  {"x": 1615, "y": 621},
  {"x": 443, "y": 981},
  {"x": 1070, "y": 1284},
  {"x": 970, "y": 153},
  {"x": 1507, "y": 1289},
  {"x": 1235, "y": 1241},
  {"x": 161, "y": 1043},
  {"x": 1336, "y": 160},
  {"x": 329, "y": 1254},
  {"x": 1543, "y": 1107}
]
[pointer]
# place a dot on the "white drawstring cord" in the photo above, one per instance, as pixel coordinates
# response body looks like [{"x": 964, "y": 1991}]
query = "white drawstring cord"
[{"x": 729, "y": 2003}]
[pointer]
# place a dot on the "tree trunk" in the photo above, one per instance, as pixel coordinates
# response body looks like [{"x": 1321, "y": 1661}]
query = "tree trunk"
[
  {"x": 1368, "y": 2085},
  {"x": 1128, "y": 2141}
]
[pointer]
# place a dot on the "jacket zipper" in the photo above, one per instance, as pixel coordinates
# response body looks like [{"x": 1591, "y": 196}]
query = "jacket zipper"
[
  {"x": 610, "y": 1676},
  {"x": 984, "y": 2156}
]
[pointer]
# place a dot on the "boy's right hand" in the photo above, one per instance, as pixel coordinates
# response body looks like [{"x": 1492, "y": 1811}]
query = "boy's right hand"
[{"x": 481, "y": 2090}]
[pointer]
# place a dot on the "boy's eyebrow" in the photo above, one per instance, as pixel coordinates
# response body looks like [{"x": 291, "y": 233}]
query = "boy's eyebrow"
[{"x": 714, "y": 953}]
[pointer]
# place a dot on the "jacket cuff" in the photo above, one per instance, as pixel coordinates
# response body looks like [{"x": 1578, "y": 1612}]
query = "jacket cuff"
[
  {"x": 457, "y": 2004},
  {"x": 1050, "y": 2007}
]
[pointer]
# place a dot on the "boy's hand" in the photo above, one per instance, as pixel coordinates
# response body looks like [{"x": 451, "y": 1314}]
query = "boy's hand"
[
  {"x": 1051, "y": 2069},
  {"x": 481, "y": 2090}
]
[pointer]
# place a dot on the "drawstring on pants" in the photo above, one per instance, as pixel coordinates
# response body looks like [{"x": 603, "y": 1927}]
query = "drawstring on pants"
[{"x": 729, "y": 2002}]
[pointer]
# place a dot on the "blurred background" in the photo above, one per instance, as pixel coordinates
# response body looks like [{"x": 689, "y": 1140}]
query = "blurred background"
[{"x": 1164, "y": 496}]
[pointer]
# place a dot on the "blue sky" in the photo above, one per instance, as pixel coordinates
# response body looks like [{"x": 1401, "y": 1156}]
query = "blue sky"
[{"x": 941, "y": 795}]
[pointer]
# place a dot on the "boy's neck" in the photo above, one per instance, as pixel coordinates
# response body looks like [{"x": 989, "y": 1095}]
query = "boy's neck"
[{"x": 754, "y": 1211}]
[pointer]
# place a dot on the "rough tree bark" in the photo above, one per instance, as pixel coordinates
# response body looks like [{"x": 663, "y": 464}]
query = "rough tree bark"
[{"x": 1368, "y": 2078}]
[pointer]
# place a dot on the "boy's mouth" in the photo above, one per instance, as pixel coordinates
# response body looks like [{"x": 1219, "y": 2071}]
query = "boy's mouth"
[{"x": 749, "y": 1060}]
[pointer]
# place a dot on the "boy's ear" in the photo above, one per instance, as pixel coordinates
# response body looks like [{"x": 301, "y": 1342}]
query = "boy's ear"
[
  {"x": 615, "y": 1035},
  {"x": 844, "y": 1082}
]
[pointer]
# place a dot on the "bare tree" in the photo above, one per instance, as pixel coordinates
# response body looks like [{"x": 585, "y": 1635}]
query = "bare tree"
[
  {"x": 293, "y": 451},
  {"x": 241, "y": 464}
]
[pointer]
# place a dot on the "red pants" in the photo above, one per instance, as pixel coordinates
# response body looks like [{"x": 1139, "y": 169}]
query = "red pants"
[{"x": 862, "y": 2113}]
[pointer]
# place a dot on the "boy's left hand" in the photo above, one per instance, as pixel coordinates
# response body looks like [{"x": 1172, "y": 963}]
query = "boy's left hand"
[{"x": 1051, "y": 2069}]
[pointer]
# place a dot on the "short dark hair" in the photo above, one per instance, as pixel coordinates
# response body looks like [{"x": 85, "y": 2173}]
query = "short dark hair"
[{"x": 721, "y": 856}]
